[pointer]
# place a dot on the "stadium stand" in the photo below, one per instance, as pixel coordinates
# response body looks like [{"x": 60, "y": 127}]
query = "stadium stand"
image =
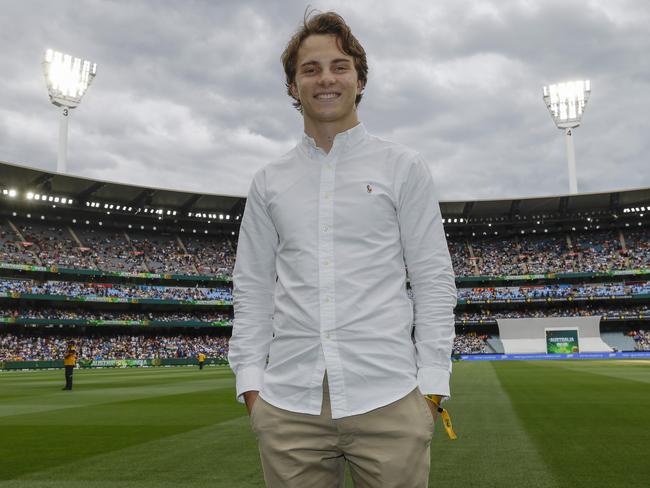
[
  {"x": 641, "y": 339},
  {"x": 141, "y": 257},
  {"x": 108, "y": 290},
  {"x": 25, "y": 347},
  {"x": 567, "y": 291},
  {"x": 42, "y": 348},
  {"x": 619, "y": 341},
  {"x": 568, "y": 252},
  {"x": 50, "y": 313},
  {"x": 74, "y": 246},
  {"x": 556, "y": 291},
  {"x": 470, "y": 344},
  {"x": 610, "y": 313}
]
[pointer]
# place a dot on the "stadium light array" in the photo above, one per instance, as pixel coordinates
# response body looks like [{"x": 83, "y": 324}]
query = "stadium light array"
[
  {"x": 211, "y": 216},
  {"x": 110, "y": 206},
  {"x": 158, "y": 213},
  {"x": 67, "y": 80},
  {"x": 566, "y": 103},
  {"x": 30, "y": 195}
]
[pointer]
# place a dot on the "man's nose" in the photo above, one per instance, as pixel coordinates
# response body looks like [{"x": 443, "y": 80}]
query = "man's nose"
[{"x": 326, "y": 77}]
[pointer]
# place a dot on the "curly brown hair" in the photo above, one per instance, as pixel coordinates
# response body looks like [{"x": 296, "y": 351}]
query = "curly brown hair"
[{"x": 324, "y": 23}]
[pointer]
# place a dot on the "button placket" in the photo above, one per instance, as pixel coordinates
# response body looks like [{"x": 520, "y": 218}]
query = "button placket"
[
  {"x": 327, "y": 292},
  {"x": 326, "y": 254}
]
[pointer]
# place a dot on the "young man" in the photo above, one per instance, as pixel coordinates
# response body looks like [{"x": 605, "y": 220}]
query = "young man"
[{"x": 322, "y": 343}]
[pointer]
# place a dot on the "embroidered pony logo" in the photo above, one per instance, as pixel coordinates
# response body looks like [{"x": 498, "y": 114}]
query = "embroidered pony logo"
[{"x": 369, "y": 188}]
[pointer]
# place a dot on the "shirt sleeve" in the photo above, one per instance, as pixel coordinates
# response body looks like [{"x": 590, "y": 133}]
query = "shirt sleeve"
[
  {"x": 431, "y": 276},
  {"x": 253, "y": 289}
]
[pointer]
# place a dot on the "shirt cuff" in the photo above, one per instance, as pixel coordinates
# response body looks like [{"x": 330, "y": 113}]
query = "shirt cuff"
[
  {"x": 249, "y": 379},
  {"x": 434, "y": 381}
]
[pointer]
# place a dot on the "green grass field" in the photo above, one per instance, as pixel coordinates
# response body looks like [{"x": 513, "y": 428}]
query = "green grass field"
[{"x": 520, "y": 424}]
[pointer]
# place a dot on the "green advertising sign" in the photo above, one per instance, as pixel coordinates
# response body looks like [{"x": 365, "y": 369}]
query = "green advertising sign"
[
  {"x": 117, "y": 363},
  {"x": 562, "y": 341}
]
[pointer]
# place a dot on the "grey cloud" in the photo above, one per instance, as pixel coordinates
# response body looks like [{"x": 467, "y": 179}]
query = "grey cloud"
[{"x": 190, "y": 94}]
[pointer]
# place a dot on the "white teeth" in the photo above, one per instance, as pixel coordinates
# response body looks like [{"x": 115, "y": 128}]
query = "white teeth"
[{"x": 327, "y": 95}]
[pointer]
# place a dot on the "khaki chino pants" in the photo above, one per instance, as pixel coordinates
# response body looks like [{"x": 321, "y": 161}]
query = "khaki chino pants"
[{"x": 385, "y": 448}]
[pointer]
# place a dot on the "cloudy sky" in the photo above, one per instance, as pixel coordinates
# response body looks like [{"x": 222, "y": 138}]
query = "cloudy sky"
[{"x": 190, "y": 95}]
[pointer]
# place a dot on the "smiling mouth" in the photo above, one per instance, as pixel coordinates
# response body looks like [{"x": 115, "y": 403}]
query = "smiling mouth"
[{"x": 327, "y": 96}]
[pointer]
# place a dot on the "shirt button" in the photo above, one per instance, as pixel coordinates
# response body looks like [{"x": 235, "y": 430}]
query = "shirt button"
[
  {"x": 327, "y": 196},
  {"x": 325, "y": 228},
  {"x": 328, "y": 299},
  {"x": 326, "y": 263}
]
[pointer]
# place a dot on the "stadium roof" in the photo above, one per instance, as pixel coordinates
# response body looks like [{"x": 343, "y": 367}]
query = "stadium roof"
[
  {"x": 84, "y": 189},
  {"x": 25, "y": 179}
]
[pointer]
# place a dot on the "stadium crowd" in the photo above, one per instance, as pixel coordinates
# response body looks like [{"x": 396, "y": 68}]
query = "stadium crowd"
[
  {"x": 188, "y": 293},
  {"x": 85, "y": 314},
  {"x": 38, "y": 243},
  {"x": 555, "y": 291},
  {"x": 96, "y": 248},
  {"x": 487, "y": 314},
  {"x": 39, "y": 348},
  {"x": 641, "y": 339},
  {"x": 517, "y": 256},
  {"x": 107, "y": 290},
  {"x": 634, "y": 311},
  {"x": 470, "y": 344},
  {"x": 565, "y": 253}
]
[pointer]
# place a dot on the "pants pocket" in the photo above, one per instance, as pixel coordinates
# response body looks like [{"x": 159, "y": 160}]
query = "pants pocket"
[
  {"x": 254, "y": 410},
  {"x": 424, "y": 404}
]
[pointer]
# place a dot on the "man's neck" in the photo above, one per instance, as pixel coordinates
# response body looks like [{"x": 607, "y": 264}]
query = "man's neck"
[{"x": 324, "y": 133}]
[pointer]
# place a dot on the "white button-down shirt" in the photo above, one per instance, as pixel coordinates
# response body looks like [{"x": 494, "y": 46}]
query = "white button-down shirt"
[{"x": 320, "y": 279}]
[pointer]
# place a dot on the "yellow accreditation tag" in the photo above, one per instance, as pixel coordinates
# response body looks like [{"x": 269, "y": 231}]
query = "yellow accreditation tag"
[{"x": 446, "y": 419}]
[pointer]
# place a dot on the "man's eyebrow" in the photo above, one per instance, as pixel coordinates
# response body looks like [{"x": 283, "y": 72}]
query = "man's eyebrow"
[{"x": 334, "y": 61}]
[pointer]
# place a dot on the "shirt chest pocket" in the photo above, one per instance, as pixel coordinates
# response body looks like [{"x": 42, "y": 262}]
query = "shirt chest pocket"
[{"x": 365, "y": 209}]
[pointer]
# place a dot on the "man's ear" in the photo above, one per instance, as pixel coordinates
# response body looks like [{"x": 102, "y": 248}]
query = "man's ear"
[
  {"x": 360, "y": 86},
  {"x": 294, "y": 91}
]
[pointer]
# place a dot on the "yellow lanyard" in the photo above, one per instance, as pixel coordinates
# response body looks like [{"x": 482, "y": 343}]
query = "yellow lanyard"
[{"x": 446, "y": 419}]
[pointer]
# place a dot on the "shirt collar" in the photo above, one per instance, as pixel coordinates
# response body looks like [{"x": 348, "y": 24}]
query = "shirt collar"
[{"x": 350, "y": 137}]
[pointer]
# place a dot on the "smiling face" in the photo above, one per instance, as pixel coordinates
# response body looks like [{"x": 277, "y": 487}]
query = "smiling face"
[{"x": 326, "y": 84}]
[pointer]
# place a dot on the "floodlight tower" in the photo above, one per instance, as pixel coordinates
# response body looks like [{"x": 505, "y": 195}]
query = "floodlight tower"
[
  {"x": 67, "y": 80},
  {"x": 566, "y": 102}
]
